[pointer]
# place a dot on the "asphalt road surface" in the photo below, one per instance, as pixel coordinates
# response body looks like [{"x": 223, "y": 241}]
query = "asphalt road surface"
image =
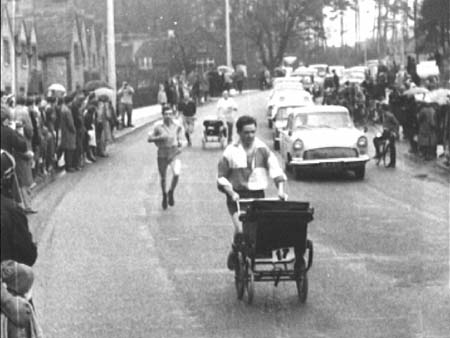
[{"x": 112, "y": 263}]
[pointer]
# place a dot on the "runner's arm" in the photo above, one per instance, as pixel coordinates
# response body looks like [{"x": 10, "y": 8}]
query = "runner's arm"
[{"x": 223, "y": 184}]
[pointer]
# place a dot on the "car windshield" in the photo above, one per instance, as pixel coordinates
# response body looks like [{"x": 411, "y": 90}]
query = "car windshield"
[{"x": 323, "y": 119}]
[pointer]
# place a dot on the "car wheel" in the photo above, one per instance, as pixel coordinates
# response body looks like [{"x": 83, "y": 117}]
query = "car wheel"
[{"x": 360, "y": 172}]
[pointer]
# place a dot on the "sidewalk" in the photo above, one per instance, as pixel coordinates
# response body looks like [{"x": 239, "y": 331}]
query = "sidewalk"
[
  {"x": 438, "y": 165},
  {"x": 141, "y": 117}
]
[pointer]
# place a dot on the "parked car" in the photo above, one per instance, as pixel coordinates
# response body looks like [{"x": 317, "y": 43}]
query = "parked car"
[
  {"x": 289, "y": 96},
  {"x": 321, "y": 72},
  {"x": 280, "y": 120},
  {"x": 323, "y": 137}
]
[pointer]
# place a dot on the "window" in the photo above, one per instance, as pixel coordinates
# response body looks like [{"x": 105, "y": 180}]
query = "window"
[
  {"x": 34, "y": 56},
  {"x": 6, "y": 52},
  {"x": 24, "y": 56},
  {"x": 76, "y": 54}
]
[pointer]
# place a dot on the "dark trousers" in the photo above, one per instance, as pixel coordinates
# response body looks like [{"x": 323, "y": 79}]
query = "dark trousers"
[
  {"x": 68, "y": 158},
  {"x": 128, "y": 109},
  {"x": 377, "y": 143},
  {"x": 230, "y": 131}
]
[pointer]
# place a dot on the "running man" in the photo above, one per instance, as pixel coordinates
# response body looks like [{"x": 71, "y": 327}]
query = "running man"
[
  {"x": 243, "y": 172},
  {"x": 168, "y": 137}
]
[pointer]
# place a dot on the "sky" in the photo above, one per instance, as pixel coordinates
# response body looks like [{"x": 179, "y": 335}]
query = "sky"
[{"x": 367, "y": 17}]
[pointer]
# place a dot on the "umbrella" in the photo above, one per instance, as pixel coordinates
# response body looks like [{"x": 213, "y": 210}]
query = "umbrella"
[
  {"x": 225, "y": 69},
  {"x": 416, "y": 90},
  {"x": 56, "y": 87},
  {"x": 94, "y": 84},
  {"x": 103, "y": 91},
  {"x": 440, "y": 96}
]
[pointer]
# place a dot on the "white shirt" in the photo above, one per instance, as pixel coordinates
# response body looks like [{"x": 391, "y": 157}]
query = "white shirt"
[{"x": 226, "y": 109}]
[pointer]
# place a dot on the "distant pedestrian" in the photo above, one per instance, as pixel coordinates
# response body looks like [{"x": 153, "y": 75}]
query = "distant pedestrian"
[
  {"x": 168, "y": 137},
  {"x": 126, "y": 93},
  {"x": 162, "y": 96},
  {"x": 188, "y": 108},
  {"x": 68, "y": 135},
  {"x": 226, "y": 111},
  {"x": 24, "y": 162}
]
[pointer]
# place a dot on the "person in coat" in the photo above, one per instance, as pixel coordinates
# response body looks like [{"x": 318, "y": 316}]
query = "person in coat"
[
  {"x": 24, "y": 162},
  {"x": 427, "y": 138},
  {"x": 68, "y": 135}
]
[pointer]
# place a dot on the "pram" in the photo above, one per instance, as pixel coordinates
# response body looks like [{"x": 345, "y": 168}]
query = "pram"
[
  {"x": 214, "y": 131},
  {"x": 273, "y": 245}
]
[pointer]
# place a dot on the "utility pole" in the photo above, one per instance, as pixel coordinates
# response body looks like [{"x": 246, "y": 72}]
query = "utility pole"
[
  {"x": 227, "y": 33},
  {"x": 111, "y": 48}
]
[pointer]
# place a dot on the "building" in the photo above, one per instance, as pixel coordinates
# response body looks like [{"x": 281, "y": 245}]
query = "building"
[
  {"x": 61, "y": 49},
  {"x": 7, "y": 52}
]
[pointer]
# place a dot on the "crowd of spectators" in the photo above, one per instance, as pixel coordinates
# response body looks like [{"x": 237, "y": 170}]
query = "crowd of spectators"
[{"x": 59, "y": 133}]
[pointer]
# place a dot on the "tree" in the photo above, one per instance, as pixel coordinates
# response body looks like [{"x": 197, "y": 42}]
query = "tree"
[{"x": 435, "y": 24}]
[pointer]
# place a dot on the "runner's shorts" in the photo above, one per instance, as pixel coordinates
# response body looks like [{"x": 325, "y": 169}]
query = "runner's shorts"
[
  {"x": 188, "y": 124},
  {"x": 231, "y": 205},
  {"x": 164, "y": 163}
]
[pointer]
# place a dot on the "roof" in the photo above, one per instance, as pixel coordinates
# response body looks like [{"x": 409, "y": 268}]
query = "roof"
[
  {"x": 4, "y": 11},
  {"x": 322, "y": 109},
  {"x": 54, "y": 33},
  {"x": 156, "y": 49}
]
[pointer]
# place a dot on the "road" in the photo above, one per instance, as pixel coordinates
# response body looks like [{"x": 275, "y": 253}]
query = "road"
[{"x": 112, "y": 263}]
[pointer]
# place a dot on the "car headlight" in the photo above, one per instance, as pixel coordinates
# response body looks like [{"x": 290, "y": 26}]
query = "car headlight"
[
  {"x": 362, "y": 142},
  {"x": 298, "y": 145}
]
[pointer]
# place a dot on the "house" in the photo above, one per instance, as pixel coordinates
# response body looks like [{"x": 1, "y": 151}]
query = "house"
[
  {"x": 102, "y": 54},
  {"x": 22, "y": 56},
  {"x": 35, "y": 84},
  {"x": 7, "y": 52},
  {"x": 60, "y": 49},
  {"x": 126, "y": 69},
  {"x": 92, "y": 70}
]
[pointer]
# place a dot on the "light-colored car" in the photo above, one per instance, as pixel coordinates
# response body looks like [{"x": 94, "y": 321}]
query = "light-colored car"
[
  {"x": 354, "y": 75},
  {"x": 280, "y": 121},
  {"x": 323, "y": 137},
  {"x": 287, "y": 83},
  {"x": 286, "y": 96},
  {"x": 321, "y": 69}
]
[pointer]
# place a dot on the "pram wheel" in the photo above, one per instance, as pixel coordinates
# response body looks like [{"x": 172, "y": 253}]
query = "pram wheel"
[
  {"x": 302, "y": 286},
  {"x": 240, "y": 276},
  {"x": 250, "y": 282}
]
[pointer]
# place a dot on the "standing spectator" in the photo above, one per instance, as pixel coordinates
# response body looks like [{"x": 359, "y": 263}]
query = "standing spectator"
[
  {"x": 126, "y": 93},
  {"x": 427, "y": 138},
  {"x": 90, "y": 139},
  {"x": 24, "y": 162},
  {"x": 204, "y": 87},
  {"x": 335, "y": 81},
  {"x": 13, "y": 143},
  {"x": 49, "y": 122},
  {"x": 77, "y": 115},
  {"x": 162, "y": 96},
  {"x": 103, "y": 128},
  {"x": 68, "y": 135},
  {"x": 239, "y": 79},
  {"x": 226, "y": 111},
  {"x": 36, "y": 140}
]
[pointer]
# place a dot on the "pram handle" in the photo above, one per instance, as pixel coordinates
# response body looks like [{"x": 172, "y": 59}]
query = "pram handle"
[{"x": 249, "y": 200}]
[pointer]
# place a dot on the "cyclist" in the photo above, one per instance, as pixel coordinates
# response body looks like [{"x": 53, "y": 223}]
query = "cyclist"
[
  {"x": 390, "y": 132},
  {"x": 243, "y": 172}
]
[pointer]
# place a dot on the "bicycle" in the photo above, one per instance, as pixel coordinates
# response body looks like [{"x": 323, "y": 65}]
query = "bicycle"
[{"x": 385, "y": 149}]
